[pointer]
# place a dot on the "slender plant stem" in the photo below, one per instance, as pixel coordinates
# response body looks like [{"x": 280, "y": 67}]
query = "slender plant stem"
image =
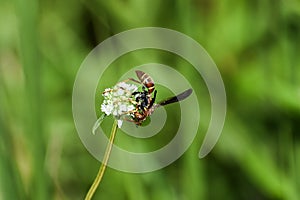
[{"x": 102, "y": 168}]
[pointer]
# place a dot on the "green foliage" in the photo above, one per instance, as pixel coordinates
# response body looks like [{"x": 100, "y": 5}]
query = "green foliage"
[{"x": 255, "y": 44}]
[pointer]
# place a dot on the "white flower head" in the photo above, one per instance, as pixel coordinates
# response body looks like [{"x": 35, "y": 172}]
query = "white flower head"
[{"x": 119, "y": 101}]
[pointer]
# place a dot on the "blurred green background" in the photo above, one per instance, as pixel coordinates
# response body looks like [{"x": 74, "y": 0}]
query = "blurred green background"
[{"x": 256, "y": 46}]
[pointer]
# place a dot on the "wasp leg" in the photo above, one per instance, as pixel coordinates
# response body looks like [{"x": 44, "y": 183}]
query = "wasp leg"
[
  {"x": 134, "y": 93},
  {"x": 136, "y": 123},
  {"x": 153, "y": 99},
  {"x": 107, "y": 91},
  {"x": 129, "y": 120},
  {"x": 130, "y": 112},
  {"x": 132, "y": 79}
]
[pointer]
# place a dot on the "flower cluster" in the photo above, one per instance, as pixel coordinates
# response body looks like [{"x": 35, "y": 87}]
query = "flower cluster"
[{"x": 118, "y": 101}]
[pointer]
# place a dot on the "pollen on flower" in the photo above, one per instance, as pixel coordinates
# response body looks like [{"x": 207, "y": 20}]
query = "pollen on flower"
[{"x": 118, "y": 100}]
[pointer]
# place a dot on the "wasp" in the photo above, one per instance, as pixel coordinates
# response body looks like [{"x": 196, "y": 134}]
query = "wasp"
[{"x": 145, "y": 103}]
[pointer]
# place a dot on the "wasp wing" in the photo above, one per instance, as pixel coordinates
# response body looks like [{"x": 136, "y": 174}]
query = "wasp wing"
[{"x": 176, "y": 98}]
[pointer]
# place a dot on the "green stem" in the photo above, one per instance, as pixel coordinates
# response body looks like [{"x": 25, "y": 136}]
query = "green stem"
[{"x": 102, "y": 168}]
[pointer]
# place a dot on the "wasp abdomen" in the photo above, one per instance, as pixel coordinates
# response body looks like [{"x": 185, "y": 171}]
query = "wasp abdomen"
[{"x": 146, "y": 80}]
